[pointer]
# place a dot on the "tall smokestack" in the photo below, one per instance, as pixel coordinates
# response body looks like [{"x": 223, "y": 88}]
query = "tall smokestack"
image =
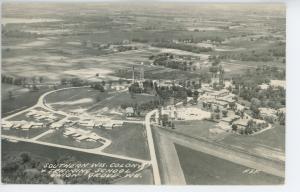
[{"x": 133, "y": 80}]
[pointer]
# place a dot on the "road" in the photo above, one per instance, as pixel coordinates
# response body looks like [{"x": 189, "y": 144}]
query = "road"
[
  {"x": 156, "y": 175},
  {"x": 260, "y": 163},
  {"x": 169, "y": 164},
  {"x": 93, "y": 151},
  {"x": 41, "y": 103}
]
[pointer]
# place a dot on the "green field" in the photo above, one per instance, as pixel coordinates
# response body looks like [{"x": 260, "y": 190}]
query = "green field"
[{"x": 203, "y": 169}]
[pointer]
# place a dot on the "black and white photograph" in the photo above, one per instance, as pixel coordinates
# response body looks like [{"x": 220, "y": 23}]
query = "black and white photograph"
[{"x": 143, "y": 93}]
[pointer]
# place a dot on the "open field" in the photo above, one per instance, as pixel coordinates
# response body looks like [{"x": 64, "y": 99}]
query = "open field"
[
  {"x": 57, "y": 45},
  {"x": 62, "y": 43},
  {"x": 197, "y": 129},
  {"x": 270, "y": 143},
  {"x": 58, "y": 138},
  {"x": 10, "y": 106},
  {"x": 118, "y": 99},
  {"x": 129, "y": 140},
  {"x": 74, "y": 99},
  {"x": 16, "y": 90},
  {"x": 204, "y": 169},
  {"x": 52, "y": 154},
  {"x": 24, "y": 133}
]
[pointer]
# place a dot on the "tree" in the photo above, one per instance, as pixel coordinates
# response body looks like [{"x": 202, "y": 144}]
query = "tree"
[
  {"x": 25, "y": 157},
  {"x": 195, "y": 97},
  {"x": 35, "y": 88},
  {"x": 281, "y": 118},
  {"x": 234, "y": 127},
  {"x": 248, "y": 130},
  {"x": 33, "y": 79},
  {"x": 173, "y": 125},
  {"x": 184, "y": 103},
  {"x": 76, "y": 82},
  {"x": 225, "y": 113},
  {"x": 165, "y": 120},
  {"x": 63, "y": 81},
  {"x": 98, "y": 86},
  {"x": 217, "y": 110},
  {"x": 41, "y": 79},
  {"x": 10, "y": 95}
]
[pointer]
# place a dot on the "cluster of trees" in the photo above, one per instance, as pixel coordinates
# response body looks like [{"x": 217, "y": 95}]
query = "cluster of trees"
[
  {"x": 165, "y": 121},
  {"x": 253, "y": 127},
  {"x": 191, "y": 84},
  {"x": 169, "y": 60},
  {"x": 246, "y": 86},
  {"x": 14, "y": 170},
  {"x": 123, "y": 48},
  {"x": 75, "y": 82},
  {"x": 96, "y": 45},
  {"x": 8, "y": 79},
  {"x": 205, "y": 36},
  {"x": 140, "y": 40},
  {"x": 21, "y": 80},
  {"x": 281, "y": 118},
  {"x": 184, "y": 47},
  {"x": 98, "y": 86},
  {"x": 25, "y": 168},
  {"x": 138, "y": 108},
  {"x": 217, "y": 113},
  {"x": 213, "y": 39},
  {"x": 276, "y": 52},
  {"x": 176, "y": 92},
  {"x": 135, "y": 88},
  {"x": 18, "y": 33}
]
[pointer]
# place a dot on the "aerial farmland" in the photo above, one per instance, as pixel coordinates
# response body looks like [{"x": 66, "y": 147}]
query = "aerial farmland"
[{"x": 154, "y": 93}]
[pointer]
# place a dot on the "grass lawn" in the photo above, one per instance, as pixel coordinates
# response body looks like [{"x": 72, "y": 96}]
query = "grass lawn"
[
  {"x": 203, "y": 169},
  {"x": 24, "y": 134},
  {"x": 15, "y": 89},
  {"x": 72, "y": 94},
  {"x": 197, "y": 129},
  {"x": 58, "y": 138},
  {"x": 122, "y": 98},
  {"x": 129, "y": 140},
  {"x": 72, "y": 99},
  {"x": 22, "y": 116},
  {"x": 9, "y": 106},
  {"x": 273, "y": 138}
]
